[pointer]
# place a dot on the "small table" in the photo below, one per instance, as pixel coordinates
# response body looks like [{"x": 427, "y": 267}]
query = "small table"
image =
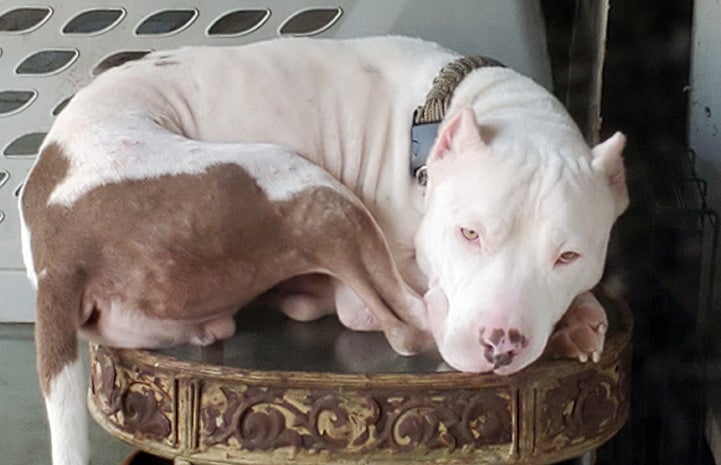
[{"x": 310, "y": 393}]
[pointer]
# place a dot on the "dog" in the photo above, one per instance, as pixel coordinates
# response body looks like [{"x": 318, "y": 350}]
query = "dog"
[{"x": 175, "y": 188}]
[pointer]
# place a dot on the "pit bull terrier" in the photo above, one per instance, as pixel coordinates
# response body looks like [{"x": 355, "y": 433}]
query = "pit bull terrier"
[{"x": 175, "y": 188}]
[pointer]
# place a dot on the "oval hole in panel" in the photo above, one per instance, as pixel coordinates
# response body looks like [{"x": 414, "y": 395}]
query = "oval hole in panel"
[
  {"x": 26, "y": 145},
  {"x": 239, "y": 22},
  {"x": 118, "y": 59},
  {"x": 94, "y": 21},
  {"x": 166, "y": 22},
  {"x": 47, "y": 62},
  {"x": 15, "y": 101},
  {"x": 310, "y": 22},
  {"x": 4, "y": 176},
  {"x": 61, "y": 106},
  {"x": 24, "y": 19}
]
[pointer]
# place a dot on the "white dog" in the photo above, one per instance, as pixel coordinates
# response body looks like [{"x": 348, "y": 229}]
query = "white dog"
[{"x": 161, "y": 203}]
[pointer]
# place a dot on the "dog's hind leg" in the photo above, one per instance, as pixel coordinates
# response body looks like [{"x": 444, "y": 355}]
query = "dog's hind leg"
[
  {"x": 352, "y": 248},
  {"x": 59, "y": 366},
  {"x": 384, "y": 301},
  {"x": 352, "y": 311},
  {"x": 390, "y": 303}
]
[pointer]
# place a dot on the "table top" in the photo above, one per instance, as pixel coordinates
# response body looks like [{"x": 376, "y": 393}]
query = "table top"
[{"x": 267, "y": 340}]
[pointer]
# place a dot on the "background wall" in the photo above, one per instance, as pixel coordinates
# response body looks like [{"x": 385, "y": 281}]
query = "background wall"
[{"x": 660, "y": 76}]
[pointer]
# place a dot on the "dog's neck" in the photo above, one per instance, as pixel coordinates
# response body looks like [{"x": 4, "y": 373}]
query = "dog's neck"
[{"x": 427, "y": 117}]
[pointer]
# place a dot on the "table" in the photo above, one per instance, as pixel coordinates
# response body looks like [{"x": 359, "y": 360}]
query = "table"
[{"x": 281, "y": 391}]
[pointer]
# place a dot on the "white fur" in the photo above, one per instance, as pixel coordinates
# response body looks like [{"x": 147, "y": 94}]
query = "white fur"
[
  {"x": 154, "y": 152},
  {"x": 68, "y": 417}
]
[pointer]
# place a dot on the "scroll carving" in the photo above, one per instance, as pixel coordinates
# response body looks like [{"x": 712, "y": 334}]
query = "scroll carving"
[
  {"x": 581, "y": 407},
  {"x": 138, "y": 402},
  {"x": 255, "y": 418}
]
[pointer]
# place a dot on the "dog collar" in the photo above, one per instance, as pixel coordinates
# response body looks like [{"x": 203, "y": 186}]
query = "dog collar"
[{"x": 427, "y": 117}]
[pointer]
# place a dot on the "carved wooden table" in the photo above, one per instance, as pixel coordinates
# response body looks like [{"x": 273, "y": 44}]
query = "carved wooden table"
[{"x": 286, "y": 392}]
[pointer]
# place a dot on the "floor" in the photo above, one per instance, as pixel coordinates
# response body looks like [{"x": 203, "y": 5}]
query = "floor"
[{"x": 22, "y": 408}]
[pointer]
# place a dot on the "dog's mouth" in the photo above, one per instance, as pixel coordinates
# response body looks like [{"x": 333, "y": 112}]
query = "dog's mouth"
[{"x": 476, "y": 361}]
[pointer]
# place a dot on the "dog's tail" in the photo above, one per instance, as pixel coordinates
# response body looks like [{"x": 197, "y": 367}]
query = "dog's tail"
[{"x": 59, "y": 366}]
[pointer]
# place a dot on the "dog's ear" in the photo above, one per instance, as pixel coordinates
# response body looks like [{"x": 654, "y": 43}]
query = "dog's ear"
[
  {"x": 608, "y": 159},
  {"x": 457, "y": 134}
]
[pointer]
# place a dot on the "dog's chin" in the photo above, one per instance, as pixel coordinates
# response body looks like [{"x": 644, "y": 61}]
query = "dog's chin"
[
  {"x": 511, "y": 369},
  {"x": 465, "y": 362},
  {"x": 476, "y": 363}
]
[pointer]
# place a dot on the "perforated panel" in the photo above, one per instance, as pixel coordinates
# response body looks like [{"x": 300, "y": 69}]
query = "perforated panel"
[{"x": 49, "y": 51}]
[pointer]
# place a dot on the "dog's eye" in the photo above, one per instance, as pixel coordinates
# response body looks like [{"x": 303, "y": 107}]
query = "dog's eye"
[
  {"x": 567, "y": 257},
  {"x": 470, "y": 235}
]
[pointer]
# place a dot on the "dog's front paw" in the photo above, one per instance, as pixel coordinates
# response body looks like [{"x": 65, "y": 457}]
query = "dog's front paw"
[
  {"x": 581, "y": 332},
  {"x": 212, "y": 331},
  {"x": 407, "y": 340}
]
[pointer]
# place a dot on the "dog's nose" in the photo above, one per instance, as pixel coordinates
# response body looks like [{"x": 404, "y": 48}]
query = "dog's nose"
[{"x": 501, "y": 345}]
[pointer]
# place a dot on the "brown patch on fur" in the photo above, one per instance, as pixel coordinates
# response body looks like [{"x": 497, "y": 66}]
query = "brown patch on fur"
[
  {"x": 59, "y": 290},
  {"x": 196, "y": 247},
  {"x": 184, "y": 246},
  {"x": 51, "y": 168},
  {"x": 56, "y": 343}
]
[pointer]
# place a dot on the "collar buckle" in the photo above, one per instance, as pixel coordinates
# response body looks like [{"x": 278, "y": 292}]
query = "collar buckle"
[{"x": 423, "y": 135}]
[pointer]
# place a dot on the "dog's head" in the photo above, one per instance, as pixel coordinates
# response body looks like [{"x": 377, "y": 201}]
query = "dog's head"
[{"x": 512, "y": 232}]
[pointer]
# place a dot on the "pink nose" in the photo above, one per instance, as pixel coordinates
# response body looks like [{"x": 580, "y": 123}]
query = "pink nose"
[{"x": 500, "y": 345}]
